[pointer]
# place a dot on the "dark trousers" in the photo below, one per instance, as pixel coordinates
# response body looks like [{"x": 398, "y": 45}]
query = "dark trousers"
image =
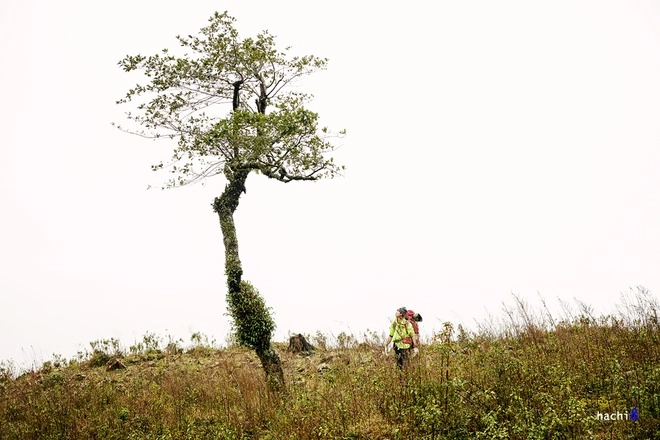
[{"x": 401, "y": 355}]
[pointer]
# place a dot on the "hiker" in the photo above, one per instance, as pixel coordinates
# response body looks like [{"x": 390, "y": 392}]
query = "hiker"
[
  {"x": 414, "y": 318},
  {"x": 403, "y": 336}
]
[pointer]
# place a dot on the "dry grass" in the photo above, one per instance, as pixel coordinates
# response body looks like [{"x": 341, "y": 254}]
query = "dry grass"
[{"x": 533, "y": 378}]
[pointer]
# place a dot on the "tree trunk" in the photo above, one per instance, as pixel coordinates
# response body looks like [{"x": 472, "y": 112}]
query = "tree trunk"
[{"x": 252, "y": 318}]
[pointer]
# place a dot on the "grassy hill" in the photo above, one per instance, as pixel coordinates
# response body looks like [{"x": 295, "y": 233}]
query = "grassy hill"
[{"x": 532, "y": 378}]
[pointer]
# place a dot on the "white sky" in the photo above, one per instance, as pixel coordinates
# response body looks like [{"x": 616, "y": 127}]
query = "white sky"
[{"x": 493, "y": 148}]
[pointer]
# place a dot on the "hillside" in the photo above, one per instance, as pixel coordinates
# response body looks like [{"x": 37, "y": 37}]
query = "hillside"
[{"x": 579, "y": 378}]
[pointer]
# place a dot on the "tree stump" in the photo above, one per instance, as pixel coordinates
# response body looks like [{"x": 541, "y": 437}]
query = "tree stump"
[
  {"x": 298, "y": 344},
  {"x": 115, "y": 364}
]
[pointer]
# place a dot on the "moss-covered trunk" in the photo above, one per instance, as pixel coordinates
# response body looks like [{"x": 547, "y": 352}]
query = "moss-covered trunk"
[{"x": 253, "y": 324}]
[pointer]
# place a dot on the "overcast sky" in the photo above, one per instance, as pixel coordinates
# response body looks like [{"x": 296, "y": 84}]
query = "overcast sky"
[{"x": 493, "y": 147}]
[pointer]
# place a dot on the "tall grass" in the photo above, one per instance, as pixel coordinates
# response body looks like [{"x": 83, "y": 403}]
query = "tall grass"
[{"x": 530, "y": 376}]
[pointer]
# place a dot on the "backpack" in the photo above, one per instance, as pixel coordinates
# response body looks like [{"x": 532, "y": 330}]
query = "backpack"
[{"x": 414, "y": 318}]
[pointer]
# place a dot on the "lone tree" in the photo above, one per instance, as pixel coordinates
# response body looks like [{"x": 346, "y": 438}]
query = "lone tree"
[{"x": 226, "y": 103}]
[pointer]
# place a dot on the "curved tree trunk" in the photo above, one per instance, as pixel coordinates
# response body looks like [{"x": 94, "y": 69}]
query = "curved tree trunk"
[{"x": 246, "y": 307}]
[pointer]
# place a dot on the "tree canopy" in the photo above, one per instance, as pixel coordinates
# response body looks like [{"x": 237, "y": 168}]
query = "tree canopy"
[{"x": 226, "y": 102}]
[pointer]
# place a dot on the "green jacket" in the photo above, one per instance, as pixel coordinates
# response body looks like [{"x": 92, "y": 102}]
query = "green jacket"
[{"x": 401, "y": 331}]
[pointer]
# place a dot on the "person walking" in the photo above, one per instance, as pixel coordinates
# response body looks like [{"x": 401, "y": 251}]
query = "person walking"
[
  {"x": 414, "y": 319},
  {"x": 403, "y": 337}
]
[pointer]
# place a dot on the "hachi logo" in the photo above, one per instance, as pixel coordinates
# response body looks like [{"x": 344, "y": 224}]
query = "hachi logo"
[{"x": 633, "y": 415}]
